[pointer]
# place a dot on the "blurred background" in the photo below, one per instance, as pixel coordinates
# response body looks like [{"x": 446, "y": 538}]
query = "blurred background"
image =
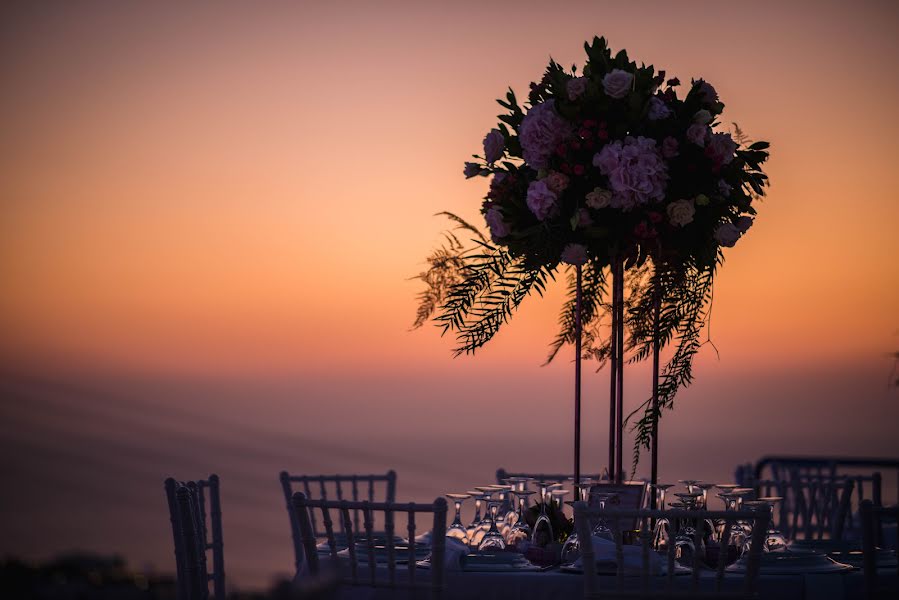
[{"x": 211, "y": 216}]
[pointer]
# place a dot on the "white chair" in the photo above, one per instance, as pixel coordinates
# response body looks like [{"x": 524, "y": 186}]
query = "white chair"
[
  {"x": 813, "y": 507},
  {"x": 350, "y": 565},
  {"x": 669, "y": 586},
  {"x": 872, "y": 518},
  {"x": 339, "y": 487},
  {"x": 191, "y": 534}
]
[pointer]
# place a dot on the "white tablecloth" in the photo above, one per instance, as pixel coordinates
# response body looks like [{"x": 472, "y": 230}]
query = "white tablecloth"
[{"x": 553, "y": 585}]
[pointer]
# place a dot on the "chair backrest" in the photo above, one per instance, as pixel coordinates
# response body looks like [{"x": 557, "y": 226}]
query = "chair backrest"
[
  {"x": 194, "y": 536},
  {"x": 339, "y": 487},
  {"x": 620, "y": 520},
  {"x": 813, "y": 507},
  {"x": 351, "y": 565},
  {"x": 872, "y": 522},
  {"x": 863, "y": 470}
]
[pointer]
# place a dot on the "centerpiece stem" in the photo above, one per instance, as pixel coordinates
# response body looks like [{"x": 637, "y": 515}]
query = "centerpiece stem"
[
  {"x": 613, "y": 375},
  {"x": 577, "y": 381},
  {"x": 619, "y": 281},
  {"x": 656, "y": 347}
]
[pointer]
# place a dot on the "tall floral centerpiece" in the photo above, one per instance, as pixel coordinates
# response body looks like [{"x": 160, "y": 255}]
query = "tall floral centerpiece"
[{"x": 613, "y": 170}]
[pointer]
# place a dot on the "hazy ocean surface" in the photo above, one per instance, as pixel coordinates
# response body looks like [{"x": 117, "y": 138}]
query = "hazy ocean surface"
[{"x": 83, "y": 459}]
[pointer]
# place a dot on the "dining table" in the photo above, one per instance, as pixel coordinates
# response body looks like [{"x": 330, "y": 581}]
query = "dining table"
[{"x": 554, "y": 584}]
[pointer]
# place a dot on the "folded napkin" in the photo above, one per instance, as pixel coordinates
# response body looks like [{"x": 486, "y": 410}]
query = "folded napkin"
[
  {"x": 605, "y": 557},
  {"x": 455, "y": 552}
]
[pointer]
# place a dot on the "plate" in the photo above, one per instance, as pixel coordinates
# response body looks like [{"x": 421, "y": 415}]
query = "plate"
[
  {"x": 792, "y": 562},
  {"x": 499, "y": 561},
  {"x": 608, "y": 568}
]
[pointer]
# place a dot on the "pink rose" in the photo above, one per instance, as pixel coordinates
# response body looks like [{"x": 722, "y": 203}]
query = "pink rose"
[
  {"x": 541, "y": 200},
  {"x": 498, "y": 226},
  {"x": 697, "y": 134},
  {"x": 617, "y": 83},
  {"x": 556, "y": 182},
  {"x": 494, "y": 143},
  {"x": 744, "y": 223},
  {"x": 727, "y": 234},
  {"x": 721, "y": 149},
  {"x": 574, "y": 254},
  {"x": 669, "y": 147},
  {"x": 576, "y": 87}
]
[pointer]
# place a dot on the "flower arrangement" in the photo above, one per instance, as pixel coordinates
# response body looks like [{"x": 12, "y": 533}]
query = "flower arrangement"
[{"x": 611, "y": 164}]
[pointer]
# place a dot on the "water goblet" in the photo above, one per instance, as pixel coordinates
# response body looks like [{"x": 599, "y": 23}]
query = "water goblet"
[
  {"x": 492, "y": 541},
  {"x": 660, "y": 493},
  {"x": 457, "y": 530},
  {"x": 520, "y": 530},
  {"x": 601, "y": 529},
  {"x": 476, "y": 521},
  {"x": 542, "y": 535},
  {"x": 774, "y": 539},
  {"x": 690, "y": 484}
]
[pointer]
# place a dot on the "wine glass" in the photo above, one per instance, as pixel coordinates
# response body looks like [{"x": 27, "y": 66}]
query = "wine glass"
[
  {"x": 752, "y": 506},
  {"x": 520, "y": 531},
  {"x": 704, "y": 488},
  {"x": 601, "y": 529},
  {"x": 542, "y": 535},
  {"x": 457, "y": 530},
  {"x": 476, "y": 521},
  {"x": 492, "y": 541},
  {"x": 774, "y": 539},
  {"x": 660, "y": 493},
  {"x": 684, "y": 540},
  {"x": 690, "y": 484}
]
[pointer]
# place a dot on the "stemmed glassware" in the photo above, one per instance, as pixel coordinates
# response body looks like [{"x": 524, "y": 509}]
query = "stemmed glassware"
[
  {"x": 685, "y": 545},
  {"x": 457, "y": 530},
  {"x": 601, "y": 529},
  {"x": 520, "y": 531},
  {"x": 492, "y": 541},
  {"x": 542, "y": 534},
  {"x": 571, "y": 549},
  {"x": 774, "y": 539},
  {"x": 474, "y": 526}
]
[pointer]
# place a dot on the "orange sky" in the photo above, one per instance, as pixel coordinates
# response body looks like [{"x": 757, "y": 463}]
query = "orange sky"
[{"x": 245, "y": 190}]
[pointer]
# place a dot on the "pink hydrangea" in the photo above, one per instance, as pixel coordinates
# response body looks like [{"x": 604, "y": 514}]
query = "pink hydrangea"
[
  {"x": 721, "y": 148},
  {"x": 541, "y": 200},
  {"x": 636, "y": 171},
  {"x": 541, "y": 131},
  {"x": 574, "y": 254},
  {"x": 494, "y": 144},
  {"x": 498, "y": 226}
]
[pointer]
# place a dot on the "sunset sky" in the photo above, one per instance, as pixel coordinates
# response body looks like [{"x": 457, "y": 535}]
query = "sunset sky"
[{"x": 230, "y": 192}]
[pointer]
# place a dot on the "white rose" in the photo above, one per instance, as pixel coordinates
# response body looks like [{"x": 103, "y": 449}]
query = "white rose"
[
  {"x": 599, "y": 198},
  {"x": 703, "y": 117},
  {"x": 681, "y": 212},
  {"x": 617, "y": 83}
]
